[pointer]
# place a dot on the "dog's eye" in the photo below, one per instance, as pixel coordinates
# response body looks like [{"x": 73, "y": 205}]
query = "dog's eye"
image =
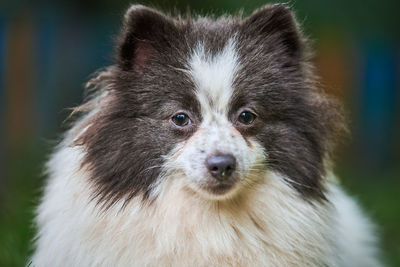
[
  {"x": 181, "y": 119},
  {"x": 246, "y": 117}
]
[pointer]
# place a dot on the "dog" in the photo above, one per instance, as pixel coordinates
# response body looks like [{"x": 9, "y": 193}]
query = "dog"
[{"x": 207, "y": 143}]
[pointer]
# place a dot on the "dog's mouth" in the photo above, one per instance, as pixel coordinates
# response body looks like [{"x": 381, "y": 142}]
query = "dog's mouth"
[{"x": 218, "y": 189}]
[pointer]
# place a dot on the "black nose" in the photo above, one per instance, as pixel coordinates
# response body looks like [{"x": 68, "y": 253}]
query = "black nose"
[{"x": 221, "y": 166}]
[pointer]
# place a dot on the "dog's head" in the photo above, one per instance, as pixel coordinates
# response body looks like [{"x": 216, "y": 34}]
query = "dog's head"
[{"x": 216, "y": 103}]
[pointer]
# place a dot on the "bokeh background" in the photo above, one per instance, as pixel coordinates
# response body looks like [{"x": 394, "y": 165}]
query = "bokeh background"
[{"x": 48, "y": 49}]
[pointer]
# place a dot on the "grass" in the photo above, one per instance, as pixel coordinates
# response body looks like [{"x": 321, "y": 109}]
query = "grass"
[
  {"x": 380, "y": 195},
  {"x": 19, "y": 195}
]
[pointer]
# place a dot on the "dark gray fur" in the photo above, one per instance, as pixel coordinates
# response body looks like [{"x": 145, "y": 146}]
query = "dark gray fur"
[{"x": 297, "y": 124}]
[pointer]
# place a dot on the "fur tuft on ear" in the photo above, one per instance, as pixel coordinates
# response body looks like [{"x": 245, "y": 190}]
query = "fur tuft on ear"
[
  {"x": 144, "y": 31},
  {"x": 276, "y": 23}
]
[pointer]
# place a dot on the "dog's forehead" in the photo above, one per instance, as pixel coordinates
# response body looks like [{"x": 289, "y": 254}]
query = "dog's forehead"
[{"x": 213, "y": 75}]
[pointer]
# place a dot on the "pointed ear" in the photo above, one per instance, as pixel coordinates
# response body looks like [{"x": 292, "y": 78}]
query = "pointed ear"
[
  {"x": 275, "y": 23},
  {"x": 144, "y": 33}
]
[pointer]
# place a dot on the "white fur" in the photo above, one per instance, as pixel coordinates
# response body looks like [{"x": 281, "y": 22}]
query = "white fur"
[
  {"x": 357, "y": 242},
  {"x": 268, "y": 225},
  {"x": 213, "y": 77}
]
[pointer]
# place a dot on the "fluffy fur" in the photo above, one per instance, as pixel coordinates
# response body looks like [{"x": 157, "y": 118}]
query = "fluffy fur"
[{"x": 128, "y": 187}]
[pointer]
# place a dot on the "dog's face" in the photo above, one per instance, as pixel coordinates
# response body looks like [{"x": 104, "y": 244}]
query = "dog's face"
[{"x": 215, "y": 103}]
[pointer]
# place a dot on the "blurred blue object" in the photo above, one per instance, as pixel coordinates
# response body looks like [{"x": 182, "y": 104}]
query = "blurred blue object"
[
  {"x": 45, "y": 79},
  {"x": 378, "y": 98}
]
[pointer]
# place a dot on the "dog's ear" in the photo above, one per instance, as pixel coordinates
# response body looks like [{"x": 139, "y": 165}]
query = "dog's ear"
[
  {"x": 276, "y": 25},
  {"x": 145, "y": 32}
]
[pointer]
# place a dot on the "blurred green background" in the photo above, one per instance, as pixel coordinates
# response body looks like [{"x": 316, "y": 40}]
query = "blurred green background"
[{"x": 48, "y": 49}]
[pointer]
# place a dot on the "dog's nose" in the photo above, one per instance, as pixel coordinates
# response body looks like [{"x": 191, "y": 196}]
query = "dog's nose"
[{"x": 221, "y": 166}]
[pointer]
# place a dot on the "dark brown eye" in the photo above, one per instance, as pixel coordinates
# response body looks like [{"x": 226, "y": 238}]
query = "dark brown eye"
[
  {"x": 246, "y": 117},
  {"x": 181, "y": 119}
]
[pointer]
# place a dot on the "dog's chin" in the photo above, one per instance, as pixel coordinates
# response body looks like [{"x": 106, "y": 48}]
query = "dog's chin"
[{"x": 216, "y": 191}]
